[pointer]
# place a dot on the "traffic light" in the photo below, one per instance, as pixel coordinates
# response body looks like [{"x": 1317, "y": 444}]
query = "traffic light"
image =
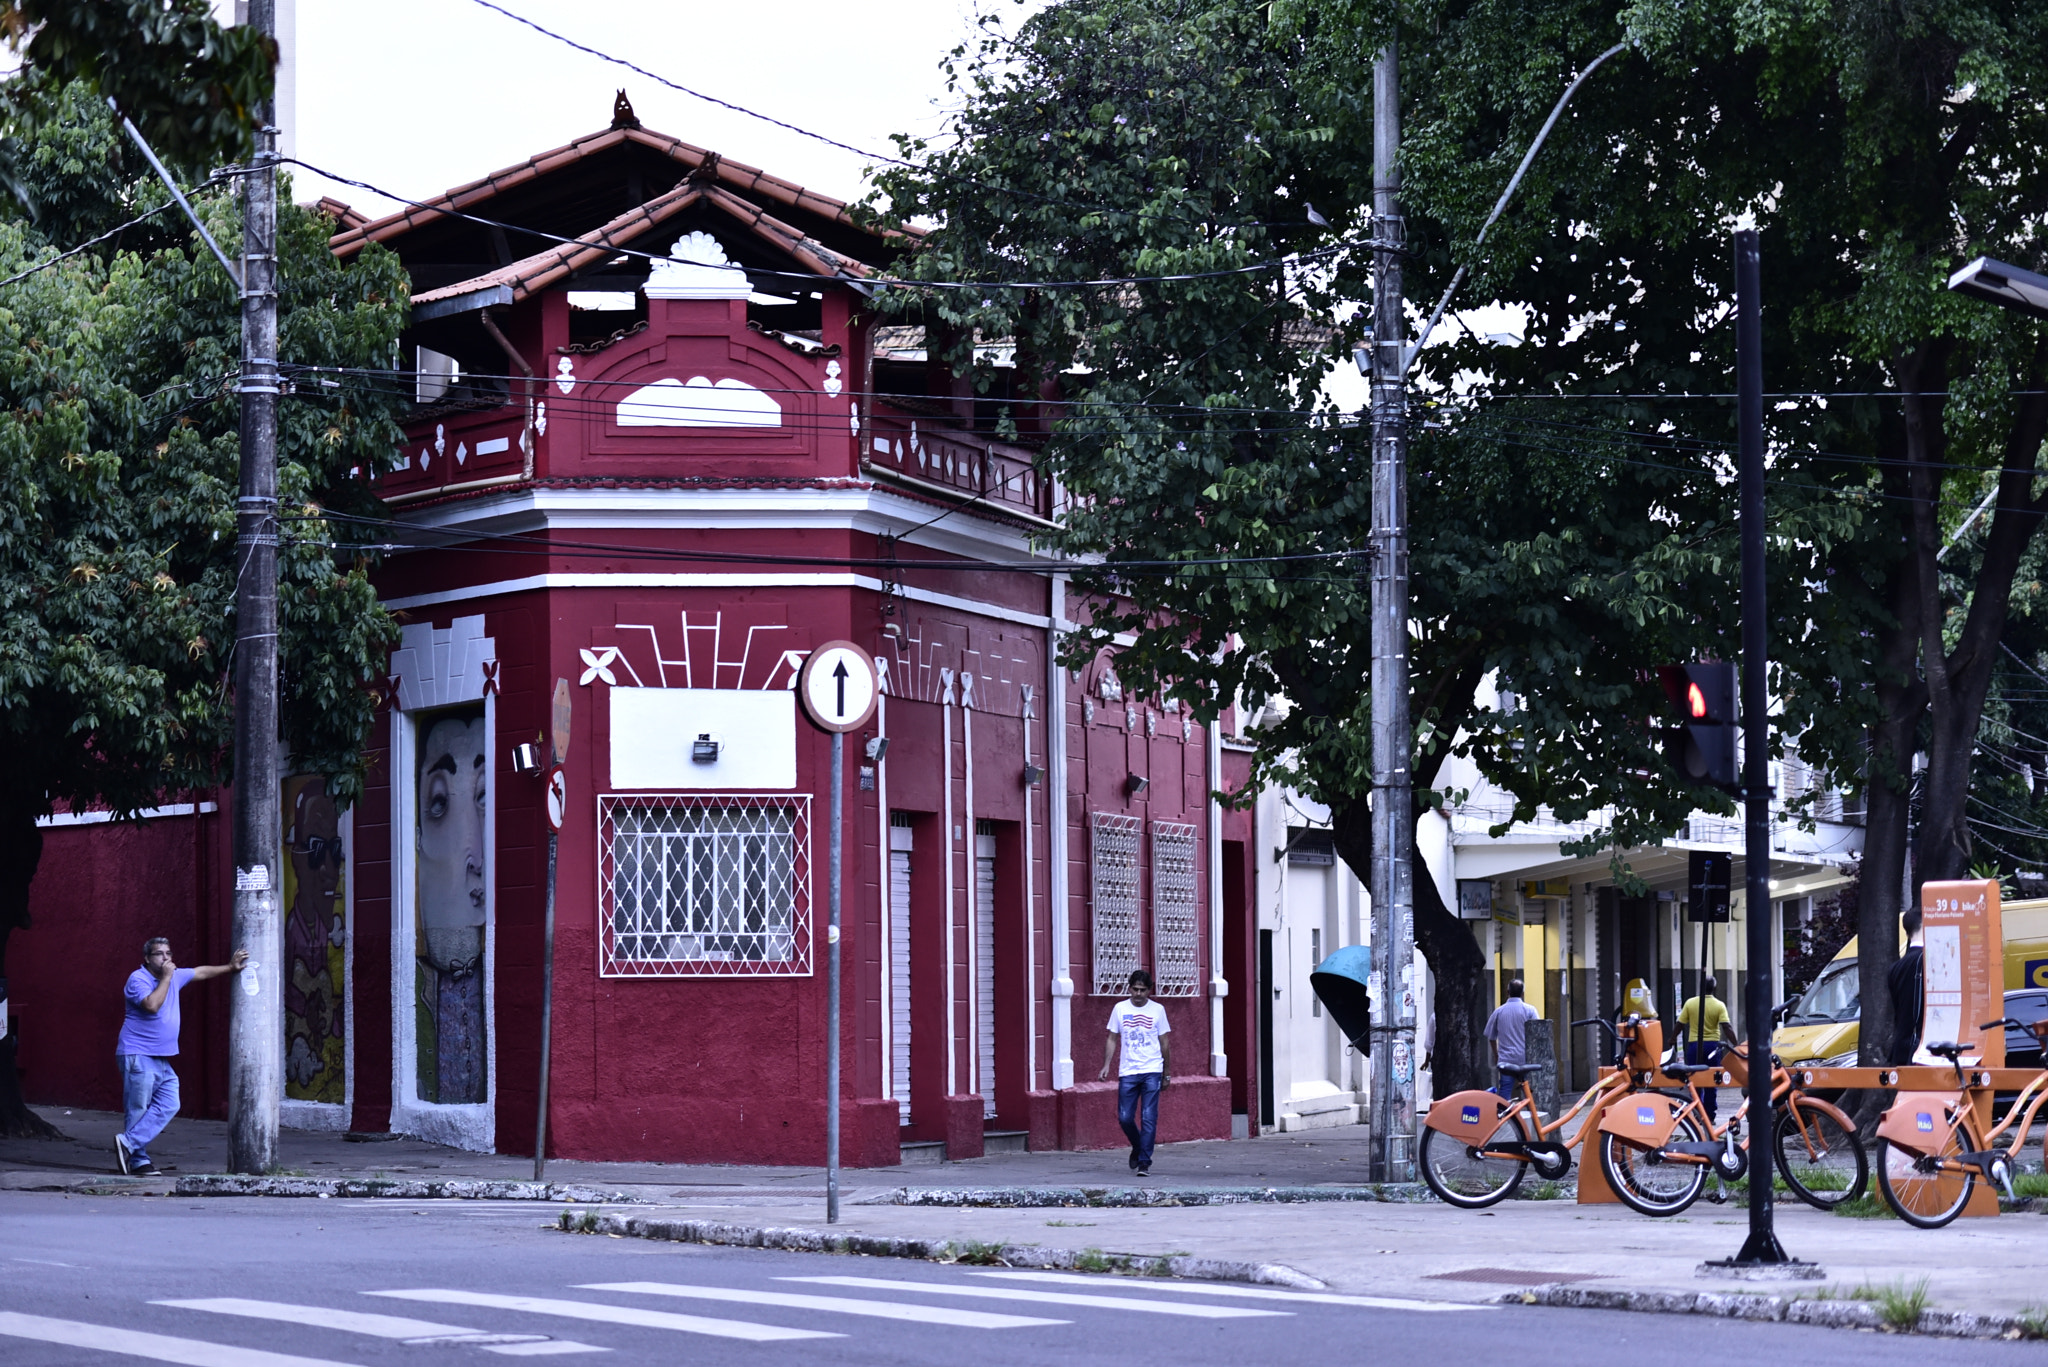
[{"x": 1704, "y": 751}]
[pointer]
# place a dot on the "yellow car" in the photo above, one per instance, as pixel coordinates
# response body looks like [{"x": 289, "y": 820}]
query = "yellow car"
[{"x": 1822, "y": 1025}]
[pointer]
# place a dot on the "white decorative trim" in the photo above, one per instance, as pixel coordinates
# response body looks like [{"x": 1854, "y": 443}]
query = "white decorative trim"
[
  {"x": 696, "y": 268},
  {"x": 565, "y": 374},
  {"x": 698, "y": 402},
  {"x": 146, "y": 814},
  {"x": 436, "y": 668},
  {"x": 825, "y": 580}
]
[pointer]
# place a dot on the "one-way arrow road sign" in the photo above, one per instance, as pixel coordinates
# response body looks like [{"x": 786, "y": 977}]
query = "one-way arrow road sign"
[{"x": 838, "y": 686}]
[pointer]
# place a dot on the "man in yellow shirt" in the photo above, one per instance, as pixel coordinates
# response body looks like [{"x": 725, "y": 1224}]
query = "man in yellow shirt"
[{"x": 1707, "y": 1026}]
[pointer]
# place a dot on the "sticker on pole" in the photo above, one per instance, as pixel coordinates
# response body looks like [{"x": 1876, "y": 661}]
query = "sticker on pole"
[
  {"x": 837, "y": 686},
  {"x": 558, "y": 797}
]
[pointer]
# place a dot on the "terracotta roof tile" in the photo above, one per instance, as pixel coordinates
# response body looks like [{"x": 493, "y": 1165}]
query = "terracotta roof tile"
[
  {"x": 537, "y": 272},
  {"x": 731, "y": 173}
]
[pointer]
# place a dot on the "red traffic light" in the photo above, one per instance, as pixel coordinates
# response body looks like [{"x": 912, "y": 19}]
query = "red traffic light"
[{"x": 1696, "y": 701}]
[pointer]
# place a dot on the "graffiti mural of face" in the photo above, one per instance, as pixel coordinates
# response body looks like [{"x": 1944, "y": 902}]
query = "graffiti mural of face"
[{"x": 451, "y": 842}]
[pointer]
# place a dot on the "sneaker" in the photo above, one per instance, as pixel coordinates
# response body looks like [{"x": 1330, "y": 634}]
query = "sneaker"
[
  {"x": 144, "y": 1169},
  {"x": 123, "y": 1155},
  {"x": 1144, "y": 1170},
  {"x": 1134, "y": 1160}
]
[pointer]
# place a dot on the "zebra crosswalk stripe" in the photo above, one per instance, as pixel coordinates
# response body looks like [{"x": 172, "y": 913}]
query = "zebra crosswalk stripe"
[
  {"x": 138, "y": 1343},
  {"x": 1246, "y": 1292},
  {"x": 384, "y": 1326},
  {"x": 841, "y": 1305},
  {"x": 1006, "y": 1293},
  {"x": 611, "y": 1314}
]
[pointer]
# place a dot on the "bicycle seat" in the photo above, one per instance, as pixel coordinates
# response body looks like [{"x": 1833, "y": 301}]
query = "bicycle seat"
[
  {"x": 1688, "y": 1069},
  {"x": 1947, "y": 1050},
  {"x": 1520, "y": 1070}
]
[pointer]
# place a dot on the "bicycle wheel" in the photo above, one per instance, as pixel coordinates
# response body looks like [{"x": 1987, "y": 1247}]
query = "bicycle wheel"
[
  {"x": 1461, "y": 1177},
  {"x": 1648, "y": 1183},
  {"x": 1922, "y": 1194},
  {"x": 1819, "y": 1154}
]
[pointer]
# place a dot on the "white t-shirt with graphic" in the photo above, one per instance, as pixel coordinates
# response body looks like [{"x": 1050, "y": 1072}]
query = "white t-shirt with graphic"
[{"x": 1139, "y": 1029}]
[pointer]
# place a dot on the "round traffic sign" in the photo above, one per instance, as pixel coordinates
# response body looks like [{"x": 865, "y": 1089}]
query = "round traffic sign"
[
  {"x": 838, "y": 687},
  {"x": 558, "y": 797}
]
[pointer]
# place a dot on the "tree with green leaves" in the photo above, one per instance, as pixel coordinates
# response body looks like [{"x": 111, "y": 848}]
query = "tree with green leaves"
[
  {"x": 118, "y": 480},
  {"x": 1189, "y": 144}
]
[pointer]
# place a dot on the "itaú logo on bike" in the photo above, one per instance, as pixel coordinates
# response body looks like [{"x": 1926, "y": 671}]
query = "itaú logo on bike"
[
  {"x": 1469, "y": 1115},
  {"x": 1646, "y": 1115},
  {"x": 1923, "y": 1122}
]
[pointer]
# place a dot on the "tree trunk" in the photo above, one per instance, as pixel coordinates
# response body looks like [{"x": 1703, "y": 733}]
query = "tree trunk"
[
  {"x": 21, "y": 849},
  {"x": 1457, "y": 1060},
  {"x": 1959, "y": 676}
]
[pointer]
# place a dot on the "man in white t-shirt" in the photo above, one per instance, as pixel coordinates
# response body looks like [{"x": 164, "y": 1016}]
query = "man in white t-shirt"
[{"x": 1139, "y": 1025}]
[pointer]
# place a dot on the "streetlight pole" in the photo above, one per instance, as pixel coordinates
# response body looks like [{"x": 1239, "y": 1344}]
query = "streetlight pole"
[
  {"x": 1390, "y": 1152},
  {"x": 256, "y": 1016}
]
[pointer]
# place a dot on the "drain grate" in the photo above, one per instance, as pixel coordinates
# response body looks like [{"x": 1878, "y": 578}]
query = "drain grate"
[{"x": 1512, "y": 1276}]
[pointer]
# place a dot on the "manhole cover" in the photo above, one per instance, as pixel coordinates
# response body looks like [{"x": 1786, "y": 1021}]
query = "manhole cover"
[{"x": 1512, "y": 1276}]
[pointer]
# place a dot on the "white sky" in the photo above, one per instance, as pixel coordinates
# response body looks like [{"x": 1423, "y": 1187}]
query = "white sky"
[{"x": 422, "y": 95}]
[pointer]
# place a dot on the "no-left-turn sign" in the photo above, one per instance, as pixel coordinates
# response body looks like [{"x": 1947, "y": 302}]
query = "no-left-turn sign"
[{"x": 838, "y": 686}]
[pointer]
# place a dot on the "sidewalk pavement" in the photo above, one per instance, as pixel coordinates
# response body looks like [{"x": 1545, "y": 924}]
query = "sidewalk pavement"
[{"x": 1402, "y": 1247}]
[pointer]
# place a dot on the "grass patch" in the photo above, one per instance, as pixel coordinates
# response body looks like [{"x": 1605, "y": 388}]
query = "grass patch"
[
  {"x": 1898, "y": 1303},
  {"x": 1865, "y": 1208},
  {"x": 1070, "y": 1224},
  {"x": 1093, "y": 1260},
  {"x": 1545, "y": 1191},
  {"x": 577, "y": 1221},
  {"x": 2028, "y": 1184},
  {"x": 2034, "y": 1322},
  {"x": 975, "y": 1253}
]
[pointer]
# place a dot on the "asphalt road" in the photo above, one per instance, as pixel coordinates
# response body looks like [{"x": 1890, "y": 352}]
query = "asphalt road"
[{"x": 301, "y": 1283}]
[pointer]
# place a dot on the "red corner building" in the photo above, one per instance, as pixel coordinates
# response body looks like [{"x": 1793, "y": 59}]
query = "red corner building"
[{"x": 663, "y": 460}]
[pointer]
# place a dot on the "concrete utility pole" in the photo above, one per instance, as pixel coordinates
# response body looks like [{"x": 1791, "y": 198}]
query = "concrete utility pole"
[
  {"x": 256, "y": 1018},
  {"x": 1391, "y": 1156}
]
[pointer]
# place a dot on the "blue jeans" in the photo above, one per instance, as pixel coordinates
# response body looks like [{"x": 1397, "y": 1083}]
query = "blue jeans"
[
  {"x": 149, "y": 1098},
  {"x": 1704, "y": 1051},
  {"x": 1137, "y": 1111}
]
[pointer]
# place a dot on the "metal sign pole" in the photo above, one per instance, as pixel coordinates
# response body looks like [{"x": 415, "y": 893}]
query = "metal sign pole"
[
  {"x": 838, "y": 687},
  {"x": 832, "y": 987},
  {"x": 555, "y": 800}
]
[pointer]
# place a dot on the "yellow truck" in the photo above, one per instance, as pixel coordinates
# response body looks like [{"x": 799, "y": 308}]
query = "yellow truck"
[{"x": 1822, "y": 1025}]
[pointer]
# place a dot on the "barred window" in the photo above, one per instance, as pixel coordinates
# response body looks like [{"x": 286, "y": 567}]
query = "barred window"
[
  {"x": 1176, "y": 910},
  {"x": 1114, "y": 872},
  {"x": 704, "y": 885}
]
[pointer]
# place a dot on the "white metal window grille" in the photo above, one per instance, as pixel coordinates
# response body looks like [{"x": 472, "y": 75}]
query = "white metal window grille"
[
  {"x": 899, "y": 963},
  {"x": 985, "y": 964},
  {"x": 1176, "y": 910},
  {"x": 1113, "y": 874},
  {"x": 704, "y": 885}
]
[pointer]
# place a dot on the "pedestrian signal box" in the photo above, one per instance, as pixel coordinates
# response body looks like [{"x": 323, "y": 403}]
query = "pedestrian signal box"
[{"x": 1703, "y": 749}]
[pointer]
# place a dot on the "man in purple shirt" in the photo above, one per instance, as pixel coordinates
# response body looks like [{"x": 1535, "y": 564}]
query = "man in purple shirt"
[{"x": 149, "y": 1038}]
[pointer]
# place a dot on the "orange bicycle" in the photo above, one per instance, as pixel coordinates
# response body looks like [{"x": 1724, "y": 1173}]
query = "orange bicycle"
[
  {"x": 1931, "y": 1148},
  {"x": 1656, "y": 1149},
  {"x": 1477, "y": 1145}
]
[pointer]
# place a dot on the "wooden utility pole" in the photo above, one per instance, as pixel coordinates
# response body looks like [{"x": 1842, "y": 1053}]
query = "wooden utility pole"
[
  {"x": 256, "y": 1019},
  {"x": 1391, "y": 1152}
]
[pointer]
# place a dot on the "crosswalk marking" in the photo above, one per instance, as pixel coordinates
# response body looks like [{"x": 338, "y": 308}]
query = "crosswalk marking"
[
  {"x": 1005, "y": 1293},
  {"x": 1251, "y": 1292},
  {"x": 843, "y": 1305},
  {"x": 156, "y": 1347},
  {"x": 612, "y": 1314},
  {"x": 320, "y": 1317},
  {"x": 384, "y": 1326}
]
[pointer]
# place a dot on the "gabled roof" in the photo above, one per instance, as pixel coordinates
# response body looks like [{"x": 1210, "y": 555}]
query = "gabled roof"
[
  {"x": 544, "y": 268},
  {"x": 561, "y": 190}
]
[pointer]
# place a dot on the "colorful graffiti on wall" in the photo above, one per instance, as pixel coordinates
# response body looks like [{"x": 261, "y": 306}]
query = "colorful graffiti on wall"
[
  {"x": 451, "y": 1054},
  {"x": 315, "y": 944}
]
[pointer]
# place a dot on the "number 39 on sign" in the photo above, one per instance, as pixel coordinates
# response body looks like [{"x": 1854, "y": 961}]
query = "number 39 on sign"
[{"x": 838, "y": 686}]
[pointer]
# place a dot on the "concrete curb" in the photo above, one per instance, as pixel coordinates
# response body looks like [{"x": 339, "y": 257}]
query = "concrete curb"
[
  {"x": 936, "y": 1250},
  {"x": 1828, "y": 1314},
  {"x": 1098, "y": 1197},
  {"x": 435, "y": 1189}
]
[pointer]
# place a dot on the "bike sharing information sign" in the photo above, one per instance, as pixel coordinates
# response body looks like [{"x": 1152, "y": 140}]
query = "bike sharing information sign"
[{"x": 1964, "y": 964}]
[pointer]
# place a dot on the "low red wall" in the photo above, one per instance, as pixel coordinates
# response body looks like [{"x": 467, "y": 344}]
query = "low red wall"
[{"x": 1189, "y": 1108}]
